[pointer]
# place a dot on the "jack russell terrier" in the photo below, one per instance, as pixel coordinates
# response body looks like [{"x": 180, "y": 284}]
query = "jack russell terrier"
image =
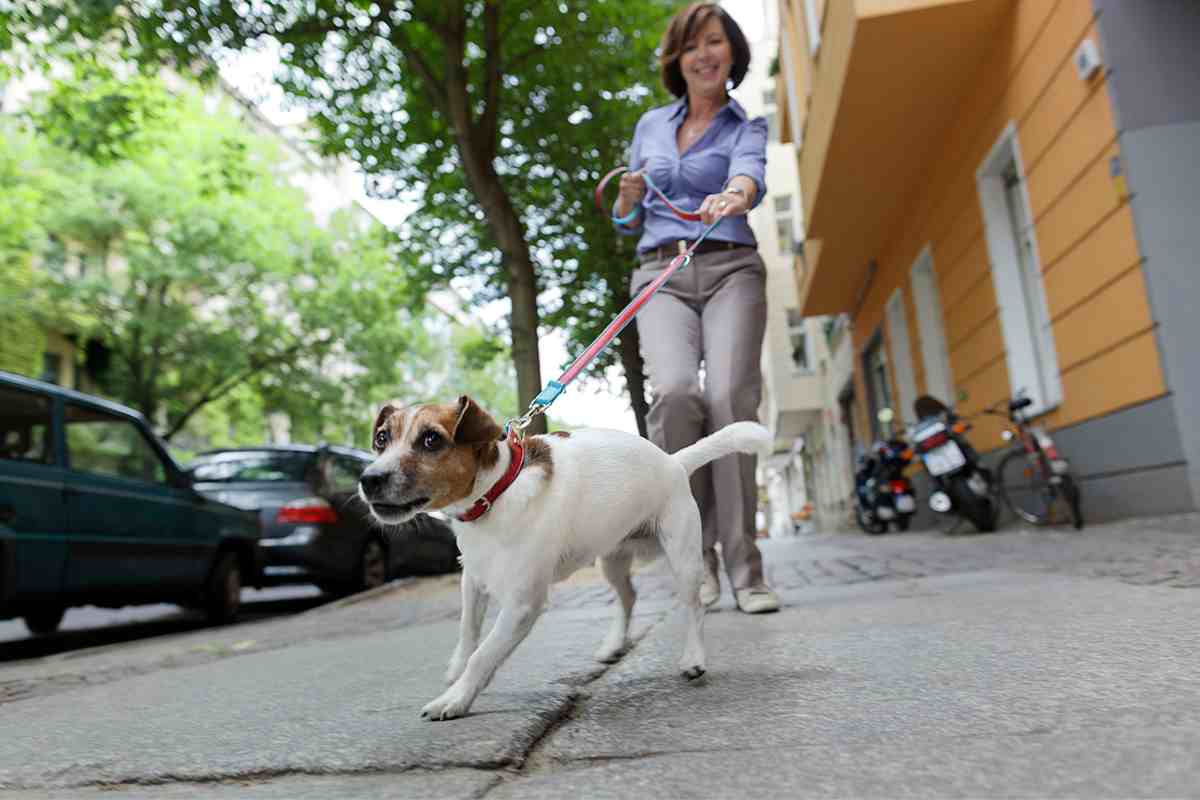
[{"x": 529, "y": 513}]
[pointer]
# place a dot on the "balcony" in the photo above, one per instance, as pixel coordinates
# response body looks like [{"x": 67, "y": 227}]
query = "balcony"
[{"x": 887, "y": 81}]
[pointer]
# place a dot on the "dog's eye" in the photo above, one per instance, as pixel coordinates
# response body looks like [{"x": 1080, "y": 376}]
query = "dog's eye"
[
  {"x": 431, "y": 440},
  {"x": 381, "y": 439}
]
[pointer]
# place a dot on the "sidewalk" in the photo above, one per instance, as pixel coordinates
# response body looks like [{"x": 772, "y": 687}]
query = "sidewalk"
[{"x": 1017, "y": 664}]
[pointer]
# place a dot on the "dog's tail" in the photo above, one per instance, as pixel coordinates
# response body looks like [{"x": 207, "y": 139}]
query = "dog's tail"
[{"x": 740, "y": 437}]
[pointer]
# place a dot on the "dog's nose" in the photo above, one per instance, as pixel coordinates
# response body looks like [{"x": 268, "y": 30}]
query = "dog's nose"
[{"x": 372, "y": 482}]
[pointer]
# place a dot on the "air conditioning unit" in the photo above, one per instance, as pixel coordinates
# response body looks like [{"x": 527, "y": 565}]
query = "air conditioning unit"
[{"x": 1087, "y": 59}]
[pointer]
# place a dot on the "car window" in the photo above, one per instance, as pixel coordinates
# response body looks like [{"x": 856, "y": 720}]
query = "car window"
[
  {"x": 104, "y": 444},
  {"x": 343, "y": 473},
  {"x": 24, "y": 426},
  {"x": 252, "y": 467}
]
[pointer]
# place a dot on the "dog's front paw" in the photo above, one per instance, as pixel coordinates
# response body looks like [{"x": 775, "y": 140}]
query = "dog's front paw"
[
  {"x": 452, "y": 703},
  {"x": 692, "y": 665}
]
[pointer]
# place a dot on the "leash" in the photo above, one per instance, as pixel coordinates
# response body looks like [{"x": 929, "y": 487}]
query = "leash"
[
  {"x": 553, "y": 389},
  {"x": 690, "y": 216}
]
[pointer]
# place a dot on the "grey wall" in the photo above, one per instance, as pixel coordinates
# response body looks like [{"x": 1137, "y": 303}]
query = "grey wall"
[{"x": 1152, "y": 49}]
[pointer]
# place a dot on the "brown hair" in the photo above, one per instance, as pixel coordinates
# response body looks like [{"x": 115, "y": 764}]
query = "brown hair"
[{"x": 683, "y": 26}]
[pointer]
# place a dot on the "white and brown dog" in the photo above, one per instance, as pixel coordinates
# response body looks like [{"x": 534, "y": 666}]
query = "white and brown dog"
[{"x": 560, "y": 501}]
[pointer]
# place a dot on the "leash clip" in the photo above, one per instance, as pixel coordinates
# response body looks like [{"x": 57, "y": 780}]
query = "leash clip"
[{"x": 516, "y": 427}]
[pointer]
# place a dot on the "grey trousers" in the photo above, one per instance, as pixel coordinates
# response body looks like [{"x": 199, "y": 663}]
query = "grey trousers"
[{"x": 713, "y": 312}]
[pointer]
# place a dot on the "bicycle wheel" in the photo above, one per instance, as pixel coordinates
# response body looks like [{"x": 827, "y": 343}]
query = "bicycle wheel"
[{"x": 1025, "y": 488}]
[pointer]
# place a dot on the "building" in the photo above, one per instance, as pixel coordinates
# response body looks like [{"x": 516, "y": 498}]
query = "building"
[
  {"x": 794, "y": 348},
  {"x": 1002, "y": 195}
]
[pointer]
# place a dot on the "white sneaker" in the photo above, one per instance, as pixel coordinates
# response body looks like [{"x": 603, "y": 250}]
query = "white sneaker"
[
  {"x": 710, "y": 590},
  {"x": 757, "y": 599}
]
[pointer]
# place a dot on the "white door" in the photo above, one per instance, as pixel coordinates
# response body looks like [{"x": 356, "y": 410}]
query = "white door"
[{"x": 906, "y": 382}]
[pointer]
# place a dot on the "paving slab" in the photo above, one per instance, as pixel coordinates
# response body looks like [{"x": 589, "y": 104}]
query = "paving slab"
[
  {"x": 979, "y": 683},
  {"x": 341, "y": 706}
]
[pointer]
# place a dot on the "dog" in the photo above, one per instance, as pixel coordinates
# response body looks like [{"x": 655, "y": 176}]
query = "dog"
[{"x": 576, "y": 497}]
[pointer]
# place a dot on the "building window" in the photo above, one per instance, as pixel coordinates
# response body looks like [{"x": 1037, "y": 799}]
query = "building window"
[
  {"x": 51, "y": 367},
  {"x": 1016, "y": 274},
  {"x": 54, "y": 259},
  {"x": 772, "y": 126},
  {"x": 798, "y": 341},
  {"x": 768, "y": 97},
  {"x": 785, "y": 225},
  {"x": 934, "y": 353}
]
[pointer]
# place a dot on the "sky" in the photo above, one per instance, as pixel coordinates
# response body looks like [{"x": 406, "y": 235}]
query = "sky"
[{"x": 586, "y": 403}]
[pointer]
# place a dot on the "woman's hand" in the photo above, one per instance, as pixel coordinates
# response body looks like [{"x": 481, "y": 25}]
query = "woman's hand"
[
  {"x": 632, "y": 190},
  {"x": 725, "y": 204}
]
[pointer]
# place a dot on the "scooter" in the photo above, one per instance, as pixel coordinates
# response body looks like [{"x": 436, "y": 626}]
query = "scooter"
[
  {"x": 963, "y": 486},
  {"x": 883, "y": 495}
]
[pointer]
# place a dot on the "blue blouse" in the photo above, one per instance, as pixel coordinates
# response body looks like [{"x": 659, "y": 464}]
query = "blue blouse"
[{"x": 732, "y": 145}]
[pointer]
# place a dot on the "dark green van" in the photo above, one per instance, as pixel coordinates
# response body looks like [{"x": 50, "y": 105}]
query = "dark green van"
[{"x": 93, "y": 511}]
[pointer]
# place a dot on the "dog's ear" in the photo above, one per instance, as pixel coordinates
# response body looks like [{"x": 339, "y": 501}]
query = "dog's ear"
[
  {"x": 382, "y": 417},
  {"x": 474, "y": 425}
]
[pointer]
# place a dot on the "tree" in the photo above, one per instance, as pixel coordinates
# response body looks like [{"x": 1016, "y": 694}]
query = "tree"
[
  {"x": 21, "y": 234},
  {"x": 464, "y": 104},
  {"x": 200, "y": 268}
]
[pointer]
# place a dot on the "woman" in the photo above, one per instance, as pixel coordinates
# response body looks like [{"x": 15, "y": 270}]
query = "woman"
[{"x": 703, "y": 151}]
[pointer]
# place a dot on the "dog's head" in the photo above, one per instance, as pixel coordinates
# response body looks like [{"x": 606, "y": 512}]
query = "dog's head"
[{"x": 427, "y": 457}]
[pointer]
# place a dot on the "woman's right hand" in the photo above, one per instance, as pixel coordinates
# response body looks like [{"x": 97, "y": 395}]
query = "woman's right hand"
[{"x": 631, "y": 191}]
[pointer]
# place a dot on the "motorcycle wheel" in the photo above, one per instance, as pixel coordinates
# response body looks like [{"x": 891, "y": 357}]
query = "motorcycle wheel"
[
  {"x": 873, "y": 527},
  {"x": 980, "y": 511}
]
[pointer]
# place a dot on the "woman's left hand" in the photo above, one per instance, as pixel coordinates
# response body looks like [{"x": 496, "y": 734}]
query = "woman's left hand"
[{"x": 725, "y": 204}]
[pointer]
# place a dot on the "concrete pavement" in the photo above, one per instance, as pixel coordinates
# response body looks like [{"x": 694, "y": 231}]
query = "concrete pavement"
[{"x": 1025, "y": 663}]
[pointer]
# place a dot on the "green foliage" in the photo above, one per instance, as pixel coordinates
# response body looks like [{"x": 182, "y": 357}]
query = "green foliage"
[
  {"x": 481, "y": 112},
  {"x": 22, "y": 203},
  {"x": 219, "y": 297}
]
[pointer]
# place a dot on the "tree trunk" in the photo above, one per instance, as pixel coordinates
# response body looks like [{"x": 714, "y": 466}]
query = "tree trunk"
[
  {"x": 522, "y": 281},
  {"x": 635, "y": 375}
]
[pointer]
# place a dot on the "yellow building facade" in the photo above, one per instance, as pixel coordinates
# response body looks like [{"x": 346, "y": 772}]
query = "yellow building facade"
[{"x": 988, "y": 190}]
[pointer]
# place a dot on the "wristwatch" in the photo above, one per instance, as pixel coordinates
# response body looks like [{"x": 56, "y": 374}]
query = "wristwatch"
[{"x": 734, "y": 190}]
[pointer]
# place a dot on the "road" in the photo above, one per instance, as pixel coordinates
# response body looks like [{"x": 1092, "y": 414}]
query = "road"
[{"x": 90, "y": 626}]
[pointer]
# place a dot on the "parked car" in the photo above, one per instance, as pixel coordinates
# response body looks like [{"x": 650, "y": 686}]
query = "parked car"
[
  {"x": 315, "y": 528},
  {"x": 93, "y": 511}
]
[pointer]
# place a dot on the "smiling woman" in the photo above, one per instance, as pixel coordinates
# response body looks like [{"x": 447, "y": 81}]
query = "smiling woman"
[{"x": 703, "y": 151}]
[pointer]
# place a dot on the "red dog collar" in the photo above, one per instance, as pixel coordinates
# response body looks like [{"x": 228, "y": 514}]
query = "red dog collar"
[{"x": 484, "y": 504}]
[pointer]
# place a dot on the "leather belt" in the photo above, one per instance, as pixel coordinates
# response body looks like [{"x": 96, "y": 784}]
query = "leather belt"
[{"x": 668, "y": 251}]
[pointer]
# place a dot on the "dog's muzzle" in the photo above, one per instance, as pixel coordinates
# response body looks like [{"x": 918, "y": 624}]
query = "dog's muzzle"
[{"x": 375, "y": 487}]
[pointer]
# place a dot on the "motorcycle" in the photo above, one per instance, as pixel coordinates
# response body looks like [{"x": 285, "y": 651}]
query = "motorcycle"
[
  {"x": 962, "y": 485},
  {"x": 883, "y": 495}
]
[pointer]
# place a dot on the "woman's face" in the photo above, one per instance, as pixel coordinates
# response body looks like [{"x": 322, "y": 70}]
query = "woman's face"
[{"x": 707, "y": 60}]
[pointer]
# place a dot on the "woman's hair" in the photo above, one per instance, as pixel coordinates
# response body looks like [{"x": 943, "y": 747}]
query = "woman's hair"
[{"x": 683, "y": 27}]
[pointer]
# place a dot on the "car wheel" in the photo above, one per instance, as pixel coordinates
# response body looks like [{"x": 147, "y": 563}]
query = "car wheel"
[
  {"x": 223, "y": 594},
  {"x": 372, "y": 565},
  {"x": 44, "y": 621}
]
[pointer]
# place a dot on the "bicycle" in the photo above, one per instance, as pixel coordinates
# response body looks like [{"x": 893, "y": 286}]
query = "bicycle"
[{"x": 1034, "y": 480}]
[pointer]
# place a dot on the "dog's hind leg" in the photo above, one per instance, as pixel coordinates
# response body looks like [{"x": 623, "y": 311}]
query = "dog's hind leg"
[
  {"x": 679, "y": 533},
  {"x": 616, "y": 566},
  {"x": 513, "y": 624},
  {"x": 474, "y": 607}
]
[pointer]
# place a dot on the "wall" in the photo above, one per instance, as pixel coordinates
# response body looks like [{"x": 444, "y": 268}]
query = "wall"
[
  {"x": 1096, "y": 289},
  {"x": 1155, "y": 90}
]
